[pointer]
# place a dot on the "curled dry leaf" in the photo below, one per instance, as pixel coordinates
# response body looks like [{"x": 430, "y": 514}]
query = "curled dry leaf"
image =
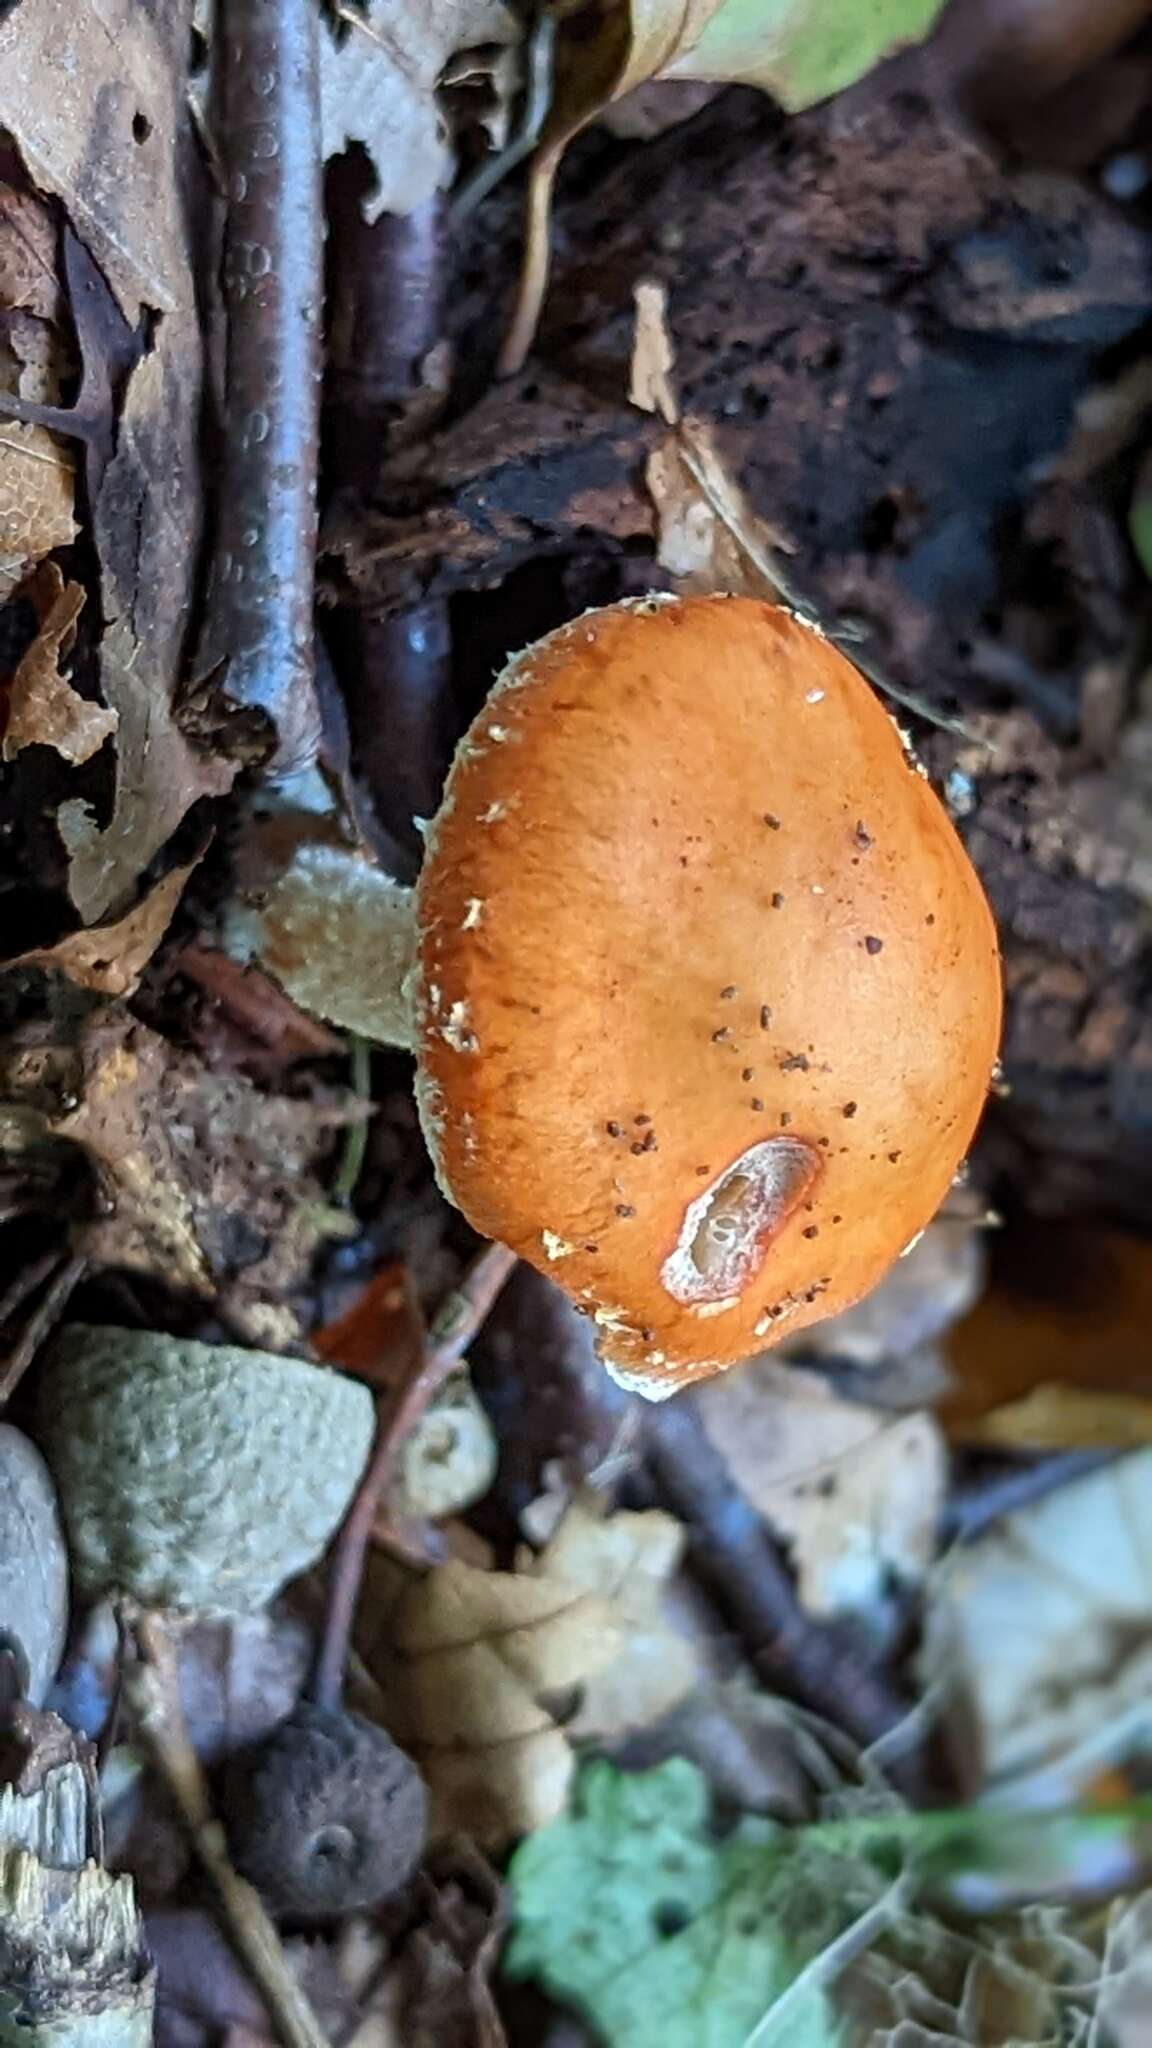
[
  {"x": 33, "y": 1564},
  {"x": 857, "y": 1495},
  {"x": 43, "y": 708},
  {"x": 628, "y": 1559},
  {"x": 378, "y": 81},
  {"x": 197, "y": 1476},
  {"x": 471, "y": 1655},
  {"x": 110, "y": 958}
]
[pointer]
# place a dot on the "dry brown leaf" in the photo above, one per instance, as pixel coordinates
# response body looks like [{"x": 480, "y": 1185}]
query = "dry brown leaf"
[
  {"x": 111, "y": 957},
  {"x": 159, "y": 776},
  {"x": 856, "y": 1495},
  {"x": 90, "y": 95},
  {"x": 37, "y": 491},
  {"x": 43, "y": 708},
  {"x": 1060, "y": 1418},
  {"x": 627, "y": 1558},
  {"x": 472, "y": 1654},
  {"x": 708, "y": 537},
  {"x": 94, "y": 99},
  {"x": 29, "y": 236},
  {"x": 207, "y": 1177},
  {"x": 378, "y": 87}
]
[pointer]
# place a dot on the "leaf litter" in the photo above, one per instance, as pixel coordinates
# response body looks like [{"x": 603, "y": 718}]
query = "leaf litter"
[{"x": 255, "y": 1248}]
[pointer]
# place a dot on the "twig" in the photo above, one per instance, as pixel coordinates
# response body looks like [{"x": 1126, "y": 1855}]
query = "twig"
[
  {"x": 431, "y": 1361},
  {"x": 735, "y": 1553},
  {"x": 537, "y": 101},
  {"x": 974, "y": 1507},
  {"x": 41, "y": 1322},
  {"x": 155, "y": 1690},
  {"x": 260, "y": 606}
]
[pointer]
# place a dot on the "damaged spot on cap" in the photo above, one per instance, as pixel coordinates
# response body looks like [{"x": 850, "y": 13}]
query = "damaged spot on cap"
[{"x": 727, "y": 1230}]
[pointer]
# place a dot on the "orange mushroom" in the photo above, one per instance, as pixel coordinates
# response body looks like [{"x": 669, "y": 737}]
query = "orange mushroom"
[{"x": 707, "y": 994}]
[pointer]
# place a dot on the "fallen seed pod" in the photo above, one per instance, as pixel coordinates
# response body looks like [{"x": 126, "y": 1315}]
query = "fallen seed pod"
[
  {"x": 197, "y": 1476},
  {"x": 327, "y": 1817}
]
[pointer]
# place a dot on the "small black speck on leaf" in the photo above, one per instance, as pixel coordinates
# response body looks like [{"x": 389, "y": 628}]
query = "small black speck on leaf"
[
  {"x": 893, "y": 1157},
  {"x": 718, "y": 1037},
  {"x": 772, "y": 821},
  {"x": 765, "y": 1016},
  {"x": 811, "y": 1230},
  {"x": 746, "y": 1073},
  {"x": 641, "y": 1119},
  {"x": 591, "y": 1247},
  {"x": 873, "y": 944},
  {"x": 785, "y": 1117},
  {"x": 727, "y": 994},
  {"x": 849, "y": 1109},
  {"x": 613, "y": 1129},
  {"x": 862, "y": 836},
  {"x": 625, "y": 1209},
  {"x": 777, "y": 899},
  {"x": 756, "y": 1103},
  {"x": 794, "y": 1063}
]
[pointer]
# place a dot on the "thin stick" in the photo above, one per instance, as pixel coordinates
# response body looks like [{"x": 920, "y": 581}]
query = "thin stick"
[
  {"x": 430, "y": 1363},
  {"x": 974, "y": 1506},
  {"x": 794, "y": 1654},
  {"x": 155, "y": 1691},
  {"x": 260, "y": 601},
  {"x": 41, "y": 1323}
]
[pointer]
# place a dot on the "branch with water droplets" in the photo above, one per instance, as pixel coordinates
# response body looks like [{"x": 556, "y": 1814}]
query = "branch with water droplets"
[{"x": 258, "y": 634}]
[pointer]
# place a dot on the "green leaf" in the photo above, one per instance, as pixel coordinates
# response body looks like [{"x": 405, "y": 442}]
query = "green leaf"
[
  {"x": 1140, "y": 527},
  {"x": 799, "y": 50},
  {"x": 663, "y": 1936}
]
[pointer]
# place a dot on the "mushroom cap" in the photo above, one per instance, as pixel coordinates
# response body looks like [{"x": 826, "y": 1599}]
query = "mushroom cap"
[{"x": 708, "y": 992}]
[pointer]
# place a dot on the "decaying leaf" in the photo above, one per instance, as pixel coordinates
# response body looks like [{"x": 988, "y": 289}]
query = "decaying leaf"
[
  {"x": 801, "y": 51},
  {"x": 708, "y": 536},
  {"x": 665, "y": 1934},
  {"x": 628, "y": 1559},
  {"x": 159, "y": 776},
  {"x": 197, "y": 1476},
  {"x": 1047, "y": 1623},
  {"x": 855, "y": 1493},
  {"x": 206, "y": 1177},
  {"x": 662, "y": 1935},
  {"x": 378, "y": 81},
  {"x": 471, "y": 1656},
  {"x": 29, "y": 233},
  {"x": 37, "y": 490},
  {"x": 43, "y": 708},
  {"x": 110, "y": 958},
  {"x": 33, "y": 1564},
  {"x": 94, "y": 101}
]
